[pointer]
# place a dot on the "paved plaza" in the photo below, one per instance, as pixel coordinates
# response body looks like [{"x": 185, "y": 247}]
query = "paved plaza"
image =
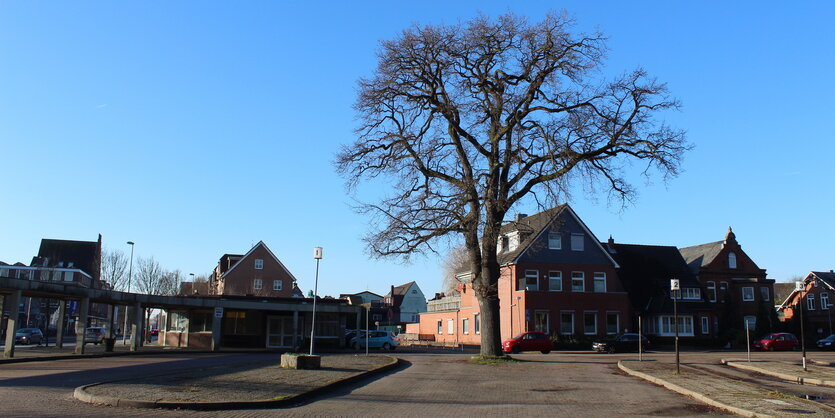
[{"x": 426, "y": 384}]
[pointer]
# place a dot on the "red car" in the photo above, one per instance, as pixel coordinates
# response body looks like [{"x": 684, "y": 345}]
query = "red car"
[
  {"x": 777, "y": 341},
  {"x": 528, "y": 341}
]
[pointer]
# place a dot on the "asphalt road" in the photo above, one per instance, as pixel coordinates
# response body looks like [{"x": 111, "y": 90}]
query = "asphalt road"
[{"x": 429, "y": 384}]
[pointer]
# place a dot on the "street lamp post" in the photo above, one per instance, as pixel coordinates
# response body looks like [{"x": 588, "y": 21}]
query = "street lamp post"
[
  {"x": 798, "y": 286},
  {"x": 675, "y": 289},
  {"x": 130, "y": 279},
  {"x": 317, "y": 254}
]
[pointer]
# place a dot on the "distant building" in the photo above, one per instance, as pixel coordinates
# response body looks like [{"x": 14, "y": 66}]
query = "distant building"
[
  {"x": 257, "y": 273},
  {"x": 816, "y": 300},
  {"x": 733, "y": 282}
]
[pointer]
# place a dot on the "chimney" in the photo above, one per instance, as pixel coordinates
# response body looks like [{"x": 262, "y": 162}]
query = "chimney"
[
  {"x": 520, "y": 216},
  {"x": 611, "y": 245}
]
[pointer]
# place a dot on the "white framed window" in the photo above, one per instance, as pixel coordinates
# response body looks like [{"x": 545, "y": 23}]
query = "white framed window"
[
  {"x": 277, "y": 284},
  {"x": 477, "y": 323},
  {"x": 810, "y": 302},
  {"x": 600, "y": 282},
  {"x": 465, "y": 326},
  {"x": 504, "y": 243},
  {"x": 540, "y": 321},
  {"x": 590, "y": 323},
  {"x": 259, "y": 264},
  {"x": 723, "y": 286},
  {"x": 576, "y": 242},
  {"x": 765, "y": 294},
  {"x": 578, "y": 281},
  {"x": 554, "y": 240},
  {"x": 450, "y": 326},
  {"x": 750, "y": 321},
  {"x": 514, "y": 241},
  {"x": 440, "y": 327},
  {"x": 567, "y": 323},
  {"x": 731, "y": 260},
  {"x": 711, "y": 291},
  {"x": 825, "y": 301},
  {"x": 257, "y": 284},
  {"x": 691, "y": 293},
  {"x": 531, "y": 280},
  {"x": 747, "y": 294},
  {"x": 705, "y": 325},
  {"x": 685, "y": 325},
  {"x": 612, "y": 322},
  {"x": 555, "y": 281}
]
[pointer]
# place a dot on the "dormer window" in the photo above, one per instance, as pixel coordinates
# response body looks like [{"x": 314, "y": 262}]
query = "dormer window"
[
  {"x": 259, "y": 264},
  {"x": 514, "y": 241},
  {"x": 731, "y": 260},
  {"x": 554, "y": 241},
  {"x": 505, "y": 243}
]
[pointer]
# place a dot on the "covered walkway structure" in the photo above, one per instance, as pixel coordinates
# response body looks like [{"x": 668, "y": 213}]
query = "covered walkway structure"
[{"x": 14, "y": 290}]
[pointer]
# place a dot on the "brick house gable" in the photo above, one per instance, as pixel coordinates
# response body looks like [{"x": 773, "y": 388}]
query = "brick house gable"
[{"x": 243, "y": 277}]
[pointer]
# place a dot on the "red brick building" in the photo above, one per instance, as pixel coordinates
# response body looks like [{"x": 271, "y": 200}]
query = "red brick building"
[
  {"x": 733, "y": 282},
  {"x": 816, "y": 297},
  {"x": 256, "y": 273},
  {"x": 556, "y": 278}
]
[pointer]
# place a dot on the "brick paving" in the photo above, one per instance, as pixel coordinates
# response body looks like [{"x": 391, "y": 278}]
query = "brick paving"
[{"x": 428, "y": 384}]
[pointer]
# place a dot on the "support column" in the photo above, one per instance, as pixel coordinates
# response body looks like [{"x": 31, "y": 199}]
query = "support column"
[
  {"x": 81, "y": 325},
  {"x": 295, "y": 329},
  {"x": 217, "y": 321},
  {"x": 136, "y": 326},
  {"x": 108, "y": 330},
  {"x": 59, "y": 326},
  {"x": 11, "y": 303}
]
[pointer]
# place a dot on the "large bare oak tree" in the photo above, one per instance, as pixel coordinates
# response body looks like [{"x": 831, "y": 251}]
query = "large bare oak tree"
[{"x": 469, "y": 120}]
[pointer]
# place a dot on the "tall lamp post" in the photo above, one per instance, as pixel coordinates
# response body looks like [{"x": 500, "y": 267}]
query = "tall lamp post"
[
  {"x": 317, "y": 254},
  {"x": 675, "y": 288},
  {"x": 130, "y": 279},
  {"x": 798, "y": 286}
]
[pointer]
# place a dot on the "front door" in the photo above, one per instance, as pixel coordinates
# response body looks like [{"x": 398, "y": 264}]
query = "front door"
[{"x": 280, "y": 331}]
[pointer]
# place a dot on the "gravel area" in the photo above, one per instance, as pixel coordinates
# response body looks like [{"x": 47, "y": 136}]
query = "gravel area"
[{"x": 239, "y": 382}]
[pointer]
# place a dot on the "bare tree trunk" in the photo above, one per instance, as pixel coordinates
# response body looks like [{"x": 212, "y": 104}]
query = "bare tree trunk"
[{"x": 491, "y": 342}]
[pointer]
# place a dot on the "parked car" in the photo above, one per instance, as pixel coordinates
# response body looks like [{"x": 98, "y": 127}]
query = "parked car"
[
  {"x": 376, "y": 339},
  {"x": 153, "y": 332},
  {"x": 528, "y": 341},
  {"x": 827, "y": 343},
  {"x": 777, "y": 341},
  {"x": 94, "y": 335},
  {"x": 622, "y": 343},
  {"x": 28, "y": 336}
]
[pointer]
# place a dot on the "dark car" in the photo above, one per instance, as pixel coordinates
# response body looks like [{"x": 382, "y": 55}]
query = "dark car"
[
  {"x": 827, "y": 343},
  {"x": 528, "y": 341},
  {"x": 28, "y": 336},
  {"x": 777, "y": 341},
  {"x": 153, "y": 332},
  {"x": 622, "y": 343}
]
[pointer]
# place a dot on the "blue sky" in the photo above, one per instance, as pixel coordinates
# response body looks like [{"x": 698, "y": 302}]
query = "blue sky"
[{"x": 199, "y": 129}]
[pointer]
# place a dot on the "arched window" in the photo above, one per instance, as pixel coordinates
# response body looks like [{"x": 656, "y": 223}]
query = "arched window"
[{"x": 731, "y": 260}]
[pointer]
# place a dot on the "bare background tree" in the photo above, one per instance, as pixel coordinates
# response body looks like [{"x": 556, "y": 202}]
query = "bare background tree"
[
  {"x": 469, "y": 120},
  {"x": 152, "y": 279},
  {"x": 457, "y": 259},
  {"x": 114, "y": 268}
]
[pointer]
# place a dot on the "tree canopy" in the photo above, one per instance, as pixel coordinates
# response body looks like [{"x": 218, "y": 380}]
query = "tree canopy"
[{"x": 471, "y": 119}]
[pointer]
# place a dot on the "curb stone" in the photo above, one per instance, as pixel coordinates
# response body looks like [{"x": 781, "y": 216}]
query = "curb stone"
[
  {"x": 791, "y": 378},
  {"x": 687, "y": 392},
  {"x": 80, "y": 393}
]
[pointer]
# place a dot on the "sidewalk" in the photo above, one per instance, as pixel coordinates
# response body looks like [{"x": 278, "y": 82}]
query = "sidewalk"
[
  {"x": 789, "y": 370},
  {"x": 35, "y": 353},
  {"x": 731, "y": 395}
]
